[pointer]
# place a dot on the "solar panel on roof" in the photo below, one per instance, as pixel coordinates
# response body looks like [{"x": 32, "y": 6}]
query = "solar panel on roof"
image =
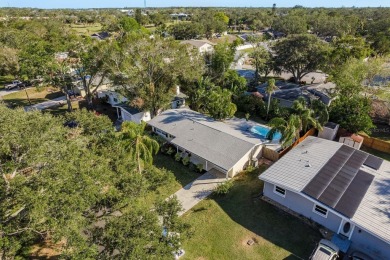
[
  {"x": 319, "y": 183},
  {"x": 373, "y": 162},
  {"x": 336, "y": 183},
  {"x": 352, "y": 197}
]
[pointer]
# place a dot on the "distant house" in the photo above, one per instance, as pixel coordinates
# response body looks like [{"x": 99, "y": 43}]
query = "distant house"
[
  {"x": 228, "y": 147},
  {"x": 288, "y": 92},
  {"x": 111, "y": 97},
  {"x": 343, "y": 189},
  {"x": 202, "y": 46},
  {"x": 100, "y": 36}
]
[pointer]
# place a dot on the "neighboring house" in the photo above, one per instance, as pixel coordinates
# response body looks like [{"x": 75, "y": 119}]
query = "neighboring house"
[
  {"x": 288, "y": 92},
  {"x": 128, "y": 113},
  {"x": 97, "y": 84},
  {"x": 228, "y": 146},
  {"x": 100, "y": 36},
  {"x": 111, "y": 97},
  {"x": 341, "y": 188},
  {"x": 202, "y": 46}
]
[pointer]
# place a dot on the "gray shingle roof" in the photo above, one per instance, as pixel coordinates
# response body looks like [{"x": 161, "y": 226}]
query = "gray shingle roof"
[
  {"x": 201, "y": 135},
  {"x": 291, "y": 173}
]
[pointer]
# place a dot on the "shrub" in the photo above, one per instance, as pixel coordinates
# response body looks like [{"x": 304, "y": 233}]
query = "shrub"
[
  {"x": 186, "y": 161},
  {"x": 178, "y": 157},
  {"x": 170, "y": 150},
  {"x": 192, "y": 167},
  {"x": 224, "y": 188},
  {"x": 164, "y": 149},
  {"x": 199, "y": 167}
]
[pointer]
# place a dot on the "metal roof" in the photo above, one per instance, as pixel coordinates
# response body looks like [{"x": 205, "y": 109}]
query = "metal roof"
[
  {"x": 366, "y": 198},
  {"x": 220, "y": 143}
]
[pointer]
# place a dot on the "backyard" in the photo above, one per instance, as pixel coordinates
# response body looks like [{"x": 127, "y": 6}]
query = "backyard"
[{"x": 223, "y": 225}]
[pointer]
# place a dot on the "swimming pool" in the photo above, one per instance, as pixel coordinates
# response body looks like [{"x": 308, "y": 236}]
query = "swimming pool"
[{"x": 262, "y": 132}]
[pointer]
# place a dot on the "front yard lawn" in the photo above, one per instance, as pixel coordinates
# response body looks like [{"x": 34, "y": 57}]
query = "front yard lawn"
[
  {"x": 36, "y": 96},
  {"x": 182, "y": 173},
  {"x": 223, "y": 225}
]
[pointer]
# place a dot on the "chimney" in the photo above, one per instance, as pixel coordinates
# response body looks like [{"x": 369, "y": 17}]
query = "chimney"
[{"x": 177, "y": 90}]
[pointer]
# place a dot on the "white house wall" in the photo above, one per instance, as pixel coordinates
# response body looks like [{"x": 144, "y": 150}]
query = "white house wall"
[
  {"x": 302, "y": 206},
  {"x": 244, "y": 161},
  {"x": 362, "y": 241}
]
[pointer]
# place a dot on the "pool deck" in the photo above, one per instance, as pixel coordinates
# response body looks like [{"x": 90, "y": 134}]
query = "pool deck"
[{"x": 241, "y": 125}]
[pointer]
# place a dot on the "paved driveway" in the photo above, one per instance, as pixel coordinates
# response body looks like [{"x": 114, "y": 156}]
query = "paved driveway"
[
  {"x": 199, "y": 189},
  {"x": 60, "y": 101}
]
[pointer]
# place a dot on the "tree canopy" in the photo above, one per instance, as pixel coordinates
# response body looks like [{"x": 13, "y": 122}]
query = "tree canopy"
[
  {"x": 63, "y": 183},
  {"x": 299, "y": 54}
]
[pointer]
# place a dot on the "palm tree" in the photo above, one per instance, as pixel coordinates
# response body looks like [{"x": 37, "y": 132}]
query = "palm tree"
[
  {"x": 320, "y": 111},
  {"x": 269, "y": 90},
  {"x": 305, "y": 114},
  {"x": 288, "y": 128},
  {"x": 140, "y": 146}
]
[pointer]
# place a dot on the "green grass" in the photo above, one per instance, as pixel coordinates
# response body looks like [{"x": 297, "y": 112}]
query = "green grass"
[
  {"x": 182, "y": 173},
  {"x": 89, "y": 29},
  {"x": 223, "y": 225},
  {"x": 380, "y": 154},
  {"x": 36, "y": 96},
  {"x": 384, "y": 94}
]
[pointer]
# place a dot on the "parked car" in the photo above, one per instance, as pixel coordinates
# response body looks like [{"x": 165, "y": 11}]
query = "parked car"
[
  {"x": 14, "y": 84},
  {"x": 325, "y": 250},
  {"x": 357, "y": 255}
]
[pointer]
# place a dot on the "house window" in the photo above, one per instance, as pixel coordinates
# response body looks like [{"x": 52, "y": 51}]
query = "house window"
[
  {"x": 320, "y": 210},
  {"x": 280, "y": 191}
]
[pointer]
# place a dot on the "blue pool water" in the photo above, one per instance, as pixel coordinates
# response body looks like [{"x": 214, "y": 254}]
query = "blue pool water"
[{"x": 262, "y": 132}]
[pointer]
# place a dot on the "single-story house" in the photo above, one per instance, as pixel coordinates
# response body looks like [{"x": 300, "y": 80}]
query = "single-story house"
[
  {"x": 128, "y": 113},
  {"x": 341, "y": 188},
  {"x": 228, "y": 146},
  {"x": 202, "y": 46}
]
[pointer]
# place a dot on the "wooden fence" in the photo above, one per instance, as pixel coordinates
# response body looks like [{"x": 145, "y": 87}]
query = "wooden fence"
[
  {"x": 376, "y": 144},
  {"x": 274, "y": 156}
]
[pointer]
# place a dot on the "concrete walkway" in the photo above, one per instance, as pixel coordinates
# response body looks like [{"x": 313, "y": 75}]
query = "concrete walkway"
[
  {"x": 199, "y": 189},
  {"x": 60, "y": 101}
]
